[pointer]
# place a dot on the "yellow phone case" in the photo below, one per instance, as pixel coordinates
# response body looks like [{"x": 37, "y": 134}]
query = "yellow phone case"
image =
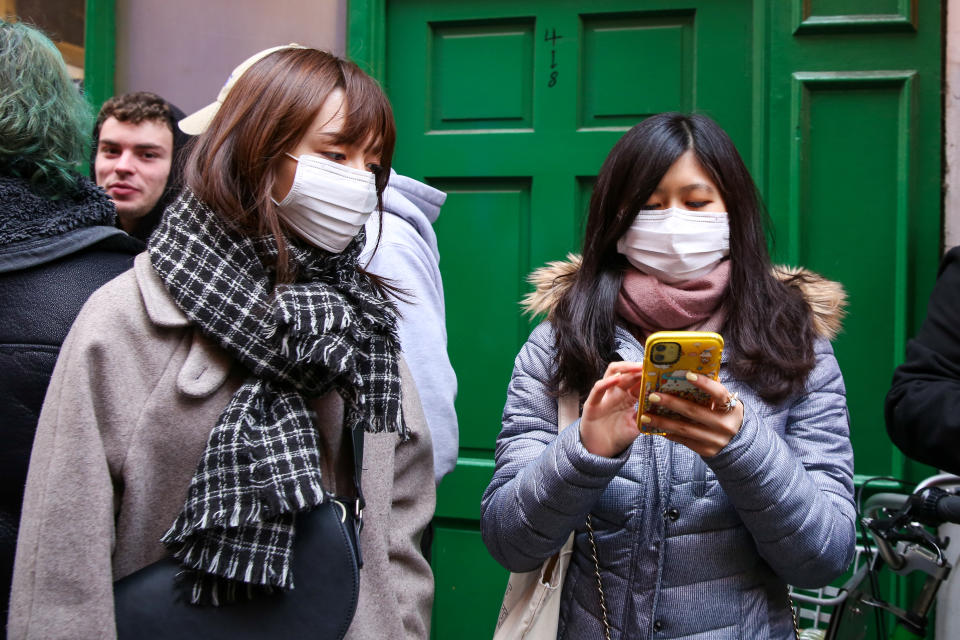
[{"x": 668, "y": 355}]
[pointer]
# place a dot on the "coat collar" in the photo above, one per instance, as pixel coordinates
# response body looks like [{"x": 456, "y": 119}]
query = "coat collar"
[
  {"x": 827, "y": 299},
  {"x": 207, "y": 365},
  {"x": 29, "y": 214},
  {"x": 161, "y": 308}
]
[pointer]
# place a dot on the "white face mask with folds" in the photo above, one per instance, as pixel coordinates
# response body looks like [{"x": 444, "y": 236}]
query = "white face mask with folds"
[
  {"x": 675, "y": 244},
  {"x": 328, "y": 203}
]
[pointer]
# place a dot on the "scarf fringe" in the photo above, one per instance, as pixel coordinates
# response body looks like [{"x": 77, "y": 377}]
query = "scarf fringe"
[
  {"x": 379, "y": 425},
  {"x": 207, "y": 590},
  {"x": 206, "y": 563}
]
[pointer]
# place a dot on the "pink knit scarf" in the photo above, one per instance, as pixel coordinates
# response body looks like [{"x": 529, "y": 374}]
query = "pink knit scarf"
[{"x": 651, "y": 305}]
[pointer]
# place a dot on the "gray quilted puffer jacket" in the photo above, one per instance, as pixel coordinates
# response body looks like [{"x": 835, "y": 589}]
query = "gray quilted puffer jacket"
[{"x": 688, "y": 548}]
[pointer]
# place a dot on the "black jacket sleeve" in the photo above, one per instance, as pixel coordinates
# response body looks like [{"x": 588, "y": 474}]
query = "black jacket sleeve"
[{"x": 923, "y": 405}]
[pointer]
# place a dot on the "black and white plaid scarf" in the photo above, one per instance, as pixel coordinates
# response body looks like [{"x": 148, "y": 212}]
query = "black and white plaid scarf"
[{"x": 328, "y": 331}]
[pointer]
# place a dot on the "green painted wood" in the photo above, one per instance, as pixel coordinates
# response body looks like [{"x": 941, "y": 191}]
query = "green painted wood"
[
  {"x": 511, "y": 111},
  {"x": 481, "y": 302},
  {"x": 851, "y": 16},
  {"x": 99, "y": 51},
  {"x": 469, "y": 583},
  {"x": 458, "y": 496},
  {"x": 855, "y": 136},
  {"x": 834, "y": 106},
  {"x": 861, "y": 202},
  {"x": 366, "y": 39}
]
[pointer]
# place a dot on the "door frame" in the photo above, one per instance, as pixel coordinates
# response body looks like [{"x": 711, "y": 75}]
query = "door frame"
[
  {"x": 367, "y": 35},
  {"x": 99, "y": 51}
]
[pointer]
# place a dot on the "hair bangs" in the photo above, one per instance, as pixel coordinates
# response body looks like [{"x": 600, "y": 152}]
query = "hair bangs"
[{"x": 369, "y": 119}]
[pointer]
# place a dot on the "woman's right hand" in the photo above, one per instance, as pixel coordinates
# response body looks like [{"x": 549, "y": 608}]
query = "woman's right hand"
[{"x": 609, "y": 421}]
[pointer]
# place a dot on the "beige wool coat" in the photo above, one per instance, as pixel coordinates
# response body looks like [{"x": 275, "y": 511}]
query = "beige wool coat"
[{"x": 132, "y": 400}]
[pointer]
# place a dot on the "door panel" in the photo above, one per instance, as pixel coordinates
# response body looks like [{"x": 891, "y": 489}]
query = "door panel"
[
  {"x": 488, "y": 221},
  {"x": 661, "y": 72},
  {"x": 499, "y": 98},
  {"x": 855, "y": 137},
  {"x": 511, "y": 108},
  {"x": 860, "y": 213}
]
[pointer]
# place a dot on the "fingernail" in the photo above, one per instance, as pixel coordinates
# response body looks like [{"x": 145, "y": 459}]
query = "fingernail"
[
  {"x": 691, "y": 376},
  {"x": 654, "y": 398},
  {"x": 645, "y": 419}
]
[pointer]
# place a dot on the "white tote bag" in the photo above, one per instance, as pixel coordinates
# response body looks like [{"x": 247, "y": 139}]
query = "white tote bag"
[{"x": 531, "y": 604}]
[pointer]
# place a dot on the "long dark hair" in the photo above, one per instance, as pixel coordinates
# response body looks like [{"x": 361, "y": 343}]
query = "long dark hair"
[
  {"x": 768, "y": 324},
  {"x": 234, "y": 163}
]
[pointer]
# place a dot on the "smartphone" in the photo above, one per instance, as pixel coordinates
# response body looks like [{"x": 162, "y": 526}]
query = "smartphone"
[{"x": 668, "y": 355}]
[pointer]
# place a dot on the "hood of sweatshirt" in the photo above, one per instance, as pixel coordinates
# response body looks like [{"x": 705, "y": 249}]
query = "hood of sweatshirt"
[{"x": 417, "y": 203}]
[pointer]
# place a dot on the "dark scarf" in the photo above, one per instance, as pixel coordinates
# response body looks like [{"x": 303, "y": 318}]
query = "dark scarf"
[
  {"x": 30, "y": 215},
  {"x": 328, "y": 331}
]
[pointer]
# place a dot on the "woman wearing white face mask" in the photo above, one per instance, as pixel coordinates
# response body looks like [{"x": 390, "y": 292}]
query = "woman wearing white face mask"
[
  {"x": 697, "y": 534},
  {"x": 208, "y": 401}
]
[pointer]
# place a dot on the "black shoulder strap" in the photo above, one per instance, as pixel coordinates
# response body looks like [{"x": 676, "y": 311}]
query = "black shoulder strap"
[{"x": 357, "y": 437}]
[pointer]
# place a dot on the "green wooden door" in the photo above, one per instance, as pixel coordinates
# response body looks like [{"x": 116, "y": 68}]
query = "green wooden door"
[
  {"x": 854, "y": 181},
  {"x": 511, "y": 108}
]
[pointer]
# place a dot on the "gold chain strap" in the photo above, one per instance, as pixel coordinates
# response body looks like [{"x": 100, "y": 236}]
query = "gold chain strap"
[
  {"x": 793, "y": 613},
  {"x": 603, "y": 598},
  {"x": 596, "y": 570}
]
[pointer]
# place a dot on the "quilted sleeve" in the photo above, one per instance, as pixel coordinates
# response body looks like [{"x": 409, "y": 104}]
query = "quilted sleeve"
[
  {"x": 543, "y": 485},
  {"x": 795, "y": 493}
]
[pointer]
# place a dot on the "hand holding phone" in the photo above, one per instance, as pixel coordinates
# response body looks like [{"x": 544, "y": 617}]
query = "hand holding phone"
[{"x": 668, "y": 356}]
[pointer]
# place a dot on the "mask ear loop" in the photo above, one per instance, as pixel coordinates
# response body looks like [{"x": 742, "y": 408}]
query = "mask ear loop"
[{"x": 297, "y": 160}]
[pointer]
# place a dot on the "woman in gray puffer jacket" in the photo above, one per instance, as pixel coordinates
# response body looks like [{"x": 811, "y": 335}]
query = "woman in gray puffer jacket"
[{"x": 697, "y": 533}]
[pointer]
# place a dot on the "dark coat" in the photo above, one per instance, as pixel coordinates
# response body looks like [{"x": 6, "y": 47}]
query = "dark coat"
[
  {"x": 923, "y": 404},
  {"x": 53, "y": 255}
]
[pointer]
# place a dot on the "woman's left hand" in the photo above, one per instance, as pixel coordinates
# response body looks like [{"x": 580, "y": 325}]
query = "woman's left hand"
[{"x": 707, "y": 429}]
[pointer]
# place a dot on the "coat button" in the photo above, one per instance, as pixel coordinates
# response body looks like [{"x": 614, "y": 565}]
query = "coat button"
[
  {"x": 673, "y": 513},
  {"x": 657, "y": 626}
]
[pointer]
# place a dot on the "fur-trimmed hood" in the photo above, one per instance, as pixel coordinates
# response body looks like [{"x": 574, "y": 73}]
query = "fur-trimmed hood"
[{"x": 827, "y": 299}]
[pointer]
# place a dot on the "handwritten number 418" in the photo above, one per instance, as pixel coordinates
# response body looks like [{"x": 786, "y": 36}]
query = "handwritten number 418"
[{"x": 550, "y": 35}]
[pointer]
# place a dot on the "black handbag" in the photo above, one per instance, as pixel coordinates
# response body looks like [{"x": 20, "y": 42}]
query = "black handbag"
[{"x": 326, "y": 567}]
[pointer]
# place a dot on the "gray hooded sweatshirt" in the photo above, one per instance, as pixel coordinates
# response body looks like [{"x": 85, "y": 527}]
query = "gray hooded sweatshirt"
[{"x": 408, "y": 255}]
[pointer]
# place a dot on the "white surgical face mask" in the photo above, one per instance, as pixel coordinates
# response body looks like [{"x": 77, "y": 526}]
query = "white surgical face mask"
[
  {"x": 675, "y": 244},
  {"x": 328, "y": 203}
]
